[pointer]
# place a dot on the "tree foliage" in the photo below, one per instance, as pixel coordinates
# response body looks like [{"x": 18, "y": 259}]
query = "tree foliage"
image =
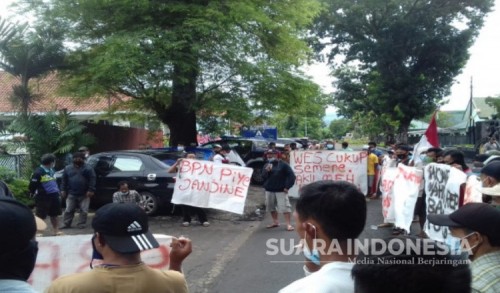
[
  {"x": 495, "y": 103},
  {"x": 183, "y": 59},
  {"x": 56, "y": 133},
  {"x": 340, "y": 127},
  {"x": 400, "y": 56},
  {"x": 26, "y": 54}
]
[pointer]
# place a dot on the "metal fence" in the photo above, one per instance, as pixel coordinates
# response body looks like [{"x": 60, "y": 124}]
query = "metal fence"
[{"x": 20, "y": 164}]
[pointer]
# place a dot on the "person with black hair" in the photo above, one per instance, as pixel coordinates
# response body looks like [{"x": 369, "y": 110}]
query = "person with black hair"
[
  {"x": 432, "y": 154},
  {"x": 332, "y": 214},
  {"x": 125, "y": 194},
  {"x": 18, "y": 246},
  {"x": 77, "y": 186},
  {"x": 456, "y": 159},
  {"x": 187, "y": 210},
  {"x": 43, "y": 187},
  {"x": 412, "y": 265},
  {"x": 278, "y": 179},
  {"x": 477, "y": 225},
  {"x": 121, "y": 232}
]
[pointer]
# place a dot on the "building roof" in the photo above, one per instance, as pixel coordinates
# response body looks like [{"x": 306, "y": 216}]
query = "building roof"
[
  {"x": 47, "y": 87},
  {"x": 485, "y": 110}
]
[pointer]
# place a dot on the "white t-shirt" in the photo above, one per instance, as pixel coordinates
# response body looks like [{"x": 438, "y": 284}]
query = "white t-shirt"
[
  {"x": 218, "y": 159},
  {"x": 334, "y": 277}
]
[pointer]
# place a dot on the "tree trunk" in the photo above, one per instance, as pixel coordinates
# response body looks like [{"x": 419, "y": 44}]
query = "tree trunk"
[
  {"x": 180, "y": 115},
  {"x": 403, "y": 132}
]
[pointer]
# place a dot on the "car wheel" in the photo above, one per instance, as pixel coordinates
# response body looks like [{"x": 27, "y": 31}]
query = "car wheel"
[
  {"x": 257, "y": 174},
  {"x": 150, "y": 203}
]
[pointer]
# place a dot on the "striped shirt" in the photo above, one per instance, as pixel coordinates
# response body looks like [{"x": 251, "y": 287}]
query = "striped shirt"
[
  {"x": 131, "y": 197},
  {"x": 486, "y": 273}
]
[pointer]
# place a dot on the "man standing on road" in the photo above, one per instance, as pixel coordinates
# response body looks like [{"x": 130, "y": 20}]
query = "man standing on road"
[
  {"x": 328, "y": 214},
  {"x": 121, "y": 232},
  {"x": 278, "y": 179},
  {"x": 43, "y": 186},
  {"x": 78, "y": 186}
]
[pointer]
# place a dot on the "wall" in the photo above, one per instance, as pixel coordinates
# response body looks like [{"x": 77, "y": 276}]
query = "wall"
[{"x": 110, "y": 137}]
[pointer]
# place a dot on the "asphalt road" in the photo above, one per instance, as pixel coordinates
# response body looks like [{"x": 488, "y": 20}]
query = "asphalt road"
[
  {"x": 252, "y": 270},
  {"x": 230, "y": 255}
]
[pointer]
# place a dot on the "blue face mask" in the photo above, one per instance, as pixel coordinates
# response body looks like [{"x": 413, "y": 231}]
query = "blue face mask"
[
  {"x": 95, "y": 254},
  {"x": 453, "y": 244},
  {"x": 313, "y": 255}
]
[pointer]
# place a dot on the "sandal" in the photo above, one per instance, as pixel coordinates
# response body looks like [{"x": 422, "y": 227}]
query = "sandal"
[
  {"x": 272, "y": 226},
  {"x": 290, "y": 228}
]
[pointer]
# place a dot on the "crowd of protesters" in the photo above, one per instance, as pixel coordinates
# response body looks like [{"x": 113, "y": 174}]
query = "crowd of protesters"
[{"x": 326, "y": 212}]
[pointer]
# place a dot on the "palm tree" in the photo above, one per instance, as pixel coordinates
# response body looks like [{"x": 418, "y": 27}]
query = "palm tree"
[{"x": 28, "y": 54}]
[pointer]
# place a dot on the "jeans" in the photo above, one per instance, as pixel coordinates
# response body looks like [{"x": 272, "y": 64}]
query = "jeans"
[{"x": 72, "y": 202}]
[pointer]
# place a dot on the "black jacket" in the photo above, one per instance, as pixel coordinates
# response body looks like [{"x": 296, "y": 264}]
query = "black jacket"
[{"x": 280, "y": 177}]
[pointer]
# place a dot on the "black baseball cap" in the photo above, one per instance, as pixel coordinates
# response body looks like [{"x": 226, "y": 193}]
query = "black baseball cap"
[
  {"x": 478, "y": 216},
  {"x": 124, "y": 227},
  {"x": 492, "y": 169}
]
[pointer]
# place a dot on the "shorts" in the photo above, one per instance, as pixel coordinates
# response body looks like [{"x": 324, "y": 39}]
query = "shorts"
[
  {"x": 278, "y": 202},
  {"x": 48, "y": 205}
]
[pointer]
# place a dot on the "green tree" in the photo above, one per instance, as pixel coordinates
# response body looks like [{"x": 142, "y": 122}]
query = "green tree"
[
  {"x": 400, "y": 56},
  {"x": 339, "y": 127},
  {"x": 172, "y": 57},
  {"x": 56, "y": 133},
  {"x": 29, "y": 54},
  {"x": 495, "y": 103}
]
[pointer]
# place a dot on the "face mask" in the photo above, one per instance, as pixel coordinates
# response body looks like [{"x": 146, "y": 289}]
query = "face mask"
[
  {"x": 329, "y": 146},
  {"x": 124, "y": 193},
  {"x": 453, "y": 244},
  {"x": 272, "y": 160},
  {"x": 425, "y": 159},
  {"x": 468, "y": 249},
  {"x": 313, "y": 255},
  {"x": 79, "y": 163},
  {"x": 95, "y": 254}
]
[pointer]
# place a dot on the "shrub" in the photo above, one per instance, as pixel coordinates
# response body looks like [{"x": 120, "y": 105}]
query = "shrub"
[
  {"x": 19, "y": 188},
  {"x": 7, "y": 175}
]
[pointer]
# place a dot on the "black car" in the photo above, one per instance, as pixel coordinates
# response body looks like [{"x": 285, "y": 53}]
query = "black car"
[
  {"x": 251, "y": 150},
  {"x": 141, "y": 169}
]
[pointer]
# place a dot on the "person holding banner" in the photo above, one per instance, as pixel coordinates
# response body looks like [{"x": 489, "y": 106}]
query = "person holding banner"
[
  {"x": 278, "y": 179},
  {"x": 187, "y": 211},
  {"x": 477, "y": 226},
  {"x": 372, "y": 165},
  {"x": 121, "y": 232}
]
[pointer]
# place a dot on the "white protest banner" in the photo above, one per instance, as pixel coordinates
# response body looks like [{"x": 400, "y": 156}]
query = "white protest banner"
[
  {"x": 208, "y": 185},
  {"x": 442, "y": 189},
  {"x": 311, "y": 166},
  {"x": 406, "y": 189},
  {"x": 388, "y": 176},
  {"x": 473, "y": 190},
  {"x": 64, "y": 255}
]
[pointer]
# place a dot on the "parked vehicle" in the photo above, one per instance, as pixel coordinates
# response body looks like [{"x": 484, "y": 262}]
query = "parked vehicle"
[
  {"x": 142, "y": 169},
  {"x": 251, "y": 150}
]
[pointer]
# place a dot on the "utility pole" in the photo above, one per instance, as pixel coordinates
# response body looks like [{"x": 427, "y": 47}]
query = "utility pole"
[{"x": 471, "y": 118}]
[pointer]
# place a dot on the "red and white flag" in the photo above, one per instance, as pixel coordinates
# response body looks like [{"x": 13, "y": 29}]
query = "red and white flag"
[{"x": 428, "y": 140}]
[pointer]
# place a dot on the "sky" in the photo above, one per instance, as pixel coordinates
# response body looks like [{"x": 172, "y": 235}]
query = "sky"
[{"x": 483, "y": 65}]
